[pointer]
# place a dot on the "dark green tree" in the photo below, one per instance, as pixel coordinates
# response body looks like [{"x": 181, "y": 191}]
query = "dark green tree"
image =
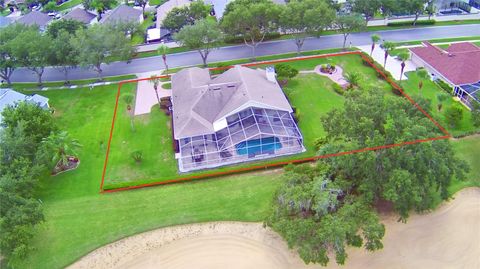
[
  {"x": 70, "y": 26},
  {"x": 101, "y": 44},
  {"x": 36, "y": 122},
  {"x": 33, "y": 50},
  {"x": 368, "y": 120},
  {"x": 251, "y": 20},
  {"x": 475, "y": 114},
  {"x": 414, "y": 7},
  {"x": 179, "y": 17},
  {"x": 304, "y": 18},
  {"x": 285, "y": 72},
  {"x": 347, "y": 24},
  {"x": 203, "y": 36},
  {"x": 366, "y": 7},
  {"x": 454, "y": 115},
  {"x": 318, "y": 216},
  {"x": 64, "y": 56},
  {"x": 8, "y": 59}
]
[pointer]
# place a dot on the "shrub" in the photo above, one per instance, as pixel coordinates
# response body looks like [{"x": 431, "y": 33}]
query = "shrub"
[
  {"x": 475, "y": 113},
  {"x": 453, "y": 115},
  {"x": 285, "y": 72},
  {"x": 319, "y": 142},
  {"x": 441, "y": 97},
  {"x": 410, "y": 23},
  {"x": 239, "y": 39},
  {"x": 445, "y": 86},
  {"x": 396, "y": 91},
  {"x": 338, "y": 89},
  {"x": 137, "y": 156}
]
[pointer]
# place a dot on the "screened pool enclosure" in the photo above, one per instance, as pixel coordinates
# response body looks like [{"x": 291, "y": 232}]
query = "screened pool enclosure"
[{"x": 252, "y": 134}]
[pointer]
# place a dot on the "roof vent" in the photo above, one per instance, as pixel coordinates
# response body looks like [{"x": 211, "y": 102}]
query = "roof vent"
[{"x": 270, "y": 72}]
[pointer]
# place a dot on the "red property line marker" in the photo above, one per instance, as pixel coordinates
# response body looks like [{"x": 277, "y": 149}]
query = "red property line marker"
[{"x": 281, "y": 163}]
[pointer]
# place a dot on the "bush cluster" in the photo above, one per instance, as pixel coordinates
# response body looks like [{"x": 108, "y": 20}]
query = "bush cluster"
[
  {"x": 445, "y": 86},
  {"x": 338, "y": 89},
  {"x": 410, "y": 23}
]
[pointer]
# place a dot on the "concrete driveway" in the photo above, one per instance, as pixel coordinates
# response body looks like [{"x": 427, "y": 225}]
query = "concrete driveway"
[{"x": 146, "y": 97}]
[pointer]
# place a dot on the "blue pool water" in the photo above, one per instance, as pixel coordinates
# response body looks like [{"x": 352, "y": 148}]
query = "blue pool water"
[{"x": 258, "y": 146}]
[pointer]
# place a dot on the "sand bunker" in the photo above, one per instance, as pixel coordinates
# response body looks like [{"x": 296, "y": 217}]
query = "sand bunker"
[{"x": 446, "y": 238}]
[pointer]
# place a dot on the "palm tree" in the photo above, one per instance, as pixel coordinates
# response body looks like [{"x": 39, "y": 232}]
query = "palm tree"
[
  {"x": 60, "y": 146},
  {"x": 422, "y": 74},
  {"x": 163, "y": 50},
  {"x": 353, "y": 78},
  {"x": 156, "y": 82},
  {"x": 128, "y": 99},
  {"x": 375, "y": 39},
  {"x": 403, "y": 56},
  {"x": 388, "y": 47}
]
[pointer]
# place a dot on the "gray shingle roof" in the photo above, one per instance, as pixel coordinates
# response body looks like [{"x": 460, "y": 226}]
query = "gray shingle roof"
[
  {"x": 35, "y": 18},
  {"x": 81, "y": 15},
  {"x": 199, "y": 101},
  {"x": 122, "y": 13},
  {"x": 4, "y": 21},
  {"x": 9, "y": 97}
]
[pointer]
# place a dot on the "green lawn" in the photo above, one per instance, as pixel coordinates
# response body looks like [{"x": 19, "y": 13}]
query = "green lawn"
[
  {"x": 430, "y": 90},
  {"x": 138, "y": 38},
  {"x": 156, "y": 2},
  {"x": 312, "y": 95},
  {"x": 32, "y": 86},
  {"x": 69, "y": 4},
  {"x": 468, "y": 149},
  {"x": 78, "y": 219}
]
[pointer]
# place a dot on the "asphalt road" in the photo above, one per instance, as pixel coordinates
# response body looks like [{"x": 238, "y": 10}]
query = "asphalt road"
[{"x": 242, "y": 51}]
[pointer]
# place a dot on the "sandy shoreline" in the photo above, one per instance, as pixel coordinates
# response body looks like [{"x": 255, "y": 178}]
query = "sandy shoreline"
[{"x": 446, "y": 238}]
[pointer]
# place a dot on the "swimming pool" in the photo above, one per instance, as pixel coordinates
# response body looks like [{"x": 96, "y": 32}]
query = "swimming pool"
[{"x": 258, "y": 146}]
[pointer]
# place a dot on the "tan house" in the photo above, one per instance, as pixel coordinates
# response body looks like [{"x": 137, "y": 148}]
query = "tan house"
[{"x": 238, "y": 116}]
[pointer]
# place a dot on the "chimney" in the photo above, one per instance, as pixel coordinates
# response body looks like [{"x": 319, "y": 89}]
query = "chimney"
[{"x": 270, "y": 72}]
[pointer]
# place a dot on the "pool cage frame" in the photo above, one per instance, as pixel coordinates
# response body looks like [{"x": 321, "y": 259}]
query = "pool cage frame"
[
  {"x": 252, "y": 134},
  {"x": 468, "y": 93}
]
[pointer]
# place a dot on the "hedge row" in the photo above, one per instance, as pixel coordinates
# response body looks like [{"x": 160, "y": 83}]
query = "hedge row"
[
  {"x": 410, "y": 23},
  {"x": 239, "y": 39},
  {"x": 445, "y": 86}
]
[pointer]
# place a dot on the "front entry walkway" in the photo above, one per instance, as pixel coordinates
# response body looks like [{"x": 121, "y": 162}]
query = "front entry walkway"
[{"x": 146, "y": 97}]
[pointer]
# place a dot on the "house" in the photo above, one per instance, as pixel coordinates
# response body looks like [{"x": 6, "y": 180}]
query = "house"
[
  {"x": 458, "y": 65},
  {"x": 81, "y": 15},
  {"x": 123, "y": 13},
  {"x": 37, "y": 18},
  {"x": 219, "y": 6},
  {"x": 4, "y": 21},
  {"x": 238, "y": 116},
  {"x": 166, "y": 7},
  {"x": 9, "y": 97}
]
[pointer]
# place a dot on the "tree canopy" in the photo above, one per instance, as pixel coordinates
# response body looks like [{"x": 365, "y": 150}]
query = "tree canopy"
[
  {"x": 203, "y": 36},
  {"x": 179, "y": 17},
  {"x": 97, "y": 44},
  {"x": 322, "y": 209},
  {"x": 304, "y": 18},
  {"x": 346, "y": 24},
  {"x": 366, "y": 7},
  {"x": 252, "y": 20}
]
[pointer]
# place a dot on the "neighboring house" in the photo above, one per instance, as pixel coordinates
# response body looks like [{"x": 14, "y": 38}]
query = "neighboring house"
[
  {"x": 4, "y": 21},
  {"x": 9, "y": 97},
  {"x": 35, "y": 18},
  {"x": 166, "y": 7},
  {"x": 458, "y": 65},
  {"x": 81, "y": 15},
  {"x": 123, "y": 13},
  {"x": 240, "y": 115},
  {"x": 219, "y": 6}
]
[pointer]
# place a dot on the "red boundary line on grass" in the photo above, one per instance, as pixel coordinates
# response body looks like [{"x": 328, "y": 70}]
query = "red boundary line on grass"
[{"x": 281, "y": 163}]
